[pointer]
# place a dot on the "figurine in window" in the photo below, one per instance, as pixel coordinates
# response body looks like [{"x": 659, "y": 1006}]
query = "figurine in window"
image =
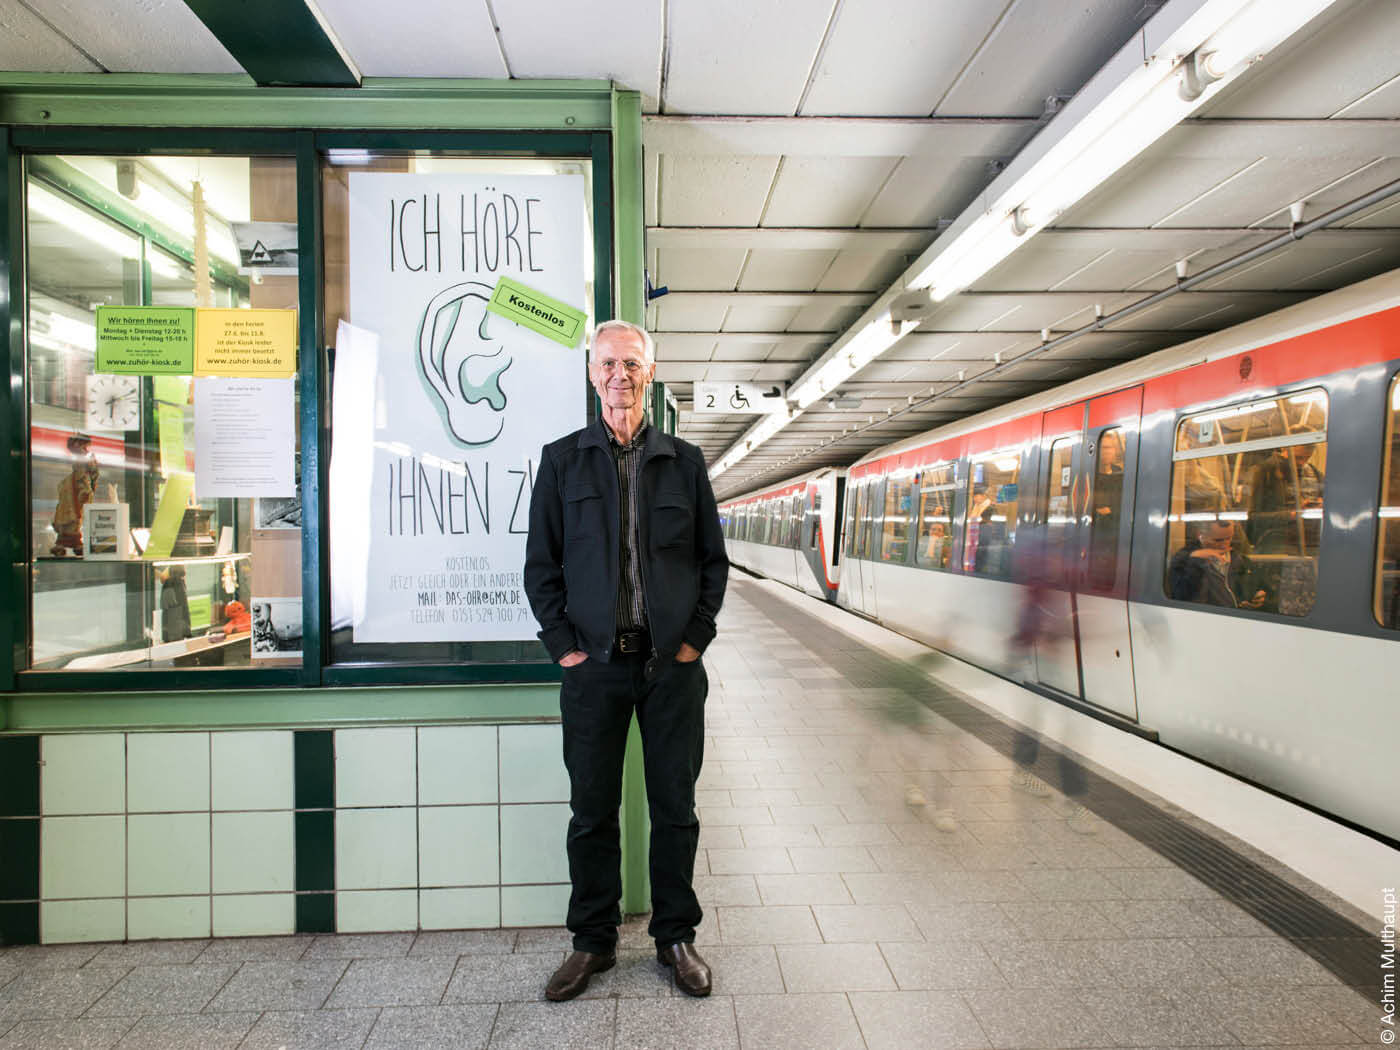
[
  {"x": 237, "y": 618},
  {"x": 74, "y": 493},
  {"x": 174, "y": 606}
]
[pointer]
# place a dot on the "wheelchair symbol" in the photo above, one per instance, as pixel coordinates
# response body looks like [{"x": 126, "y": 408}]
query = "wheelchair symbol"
[{"x": 738, "y": 400}]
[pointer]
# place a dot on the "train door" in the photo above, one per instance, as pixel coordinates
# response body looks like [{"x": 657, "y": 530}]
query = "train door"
[
  {"x": 1090, "y": 450},
  {"x": 851, "y": 569},
  {"x": 870, "y": 542}
]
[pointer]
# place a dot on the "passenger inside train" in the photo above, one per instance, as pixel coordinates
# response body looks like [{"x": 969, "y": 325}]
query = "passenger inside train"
[{"x": 1209, "y": 570}]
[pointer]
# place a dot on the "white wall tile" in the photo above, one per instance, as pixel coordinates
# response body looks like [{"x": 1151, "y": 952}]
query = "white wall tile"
[
  {"x": 253, "y": 852},
  {"x": 148, "y": 918},
  {"x": 456, "y": 765},
  {"x": 167, "y": 772},
  {"x": 532, "y": 843},
  {"x": 376, "y": 849},
  {"x": 458, "y": 846},
  {"x": 71, "y": 922},
  {"x": 252, "y": 770},
  {"x": 532, "y": 764},
  {"x": 255, "y": 915},
  {"x": 374, "y": 911},
  {"x": 477, "y": 908},
  {"x": 167, "y": 853},
  {"x": 82, "y": 857},
  {"x": 534, "y": 905},
  {"x": 83, "y": 773},
  {"x": 375, "y": 767}
]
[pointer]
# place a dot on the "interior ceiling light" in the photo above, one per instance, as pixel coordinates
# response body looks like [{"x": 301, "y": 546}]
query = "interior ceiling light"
[
  {"x": 1103, "y": 129},
  {"x": 1209, "y": 50}
]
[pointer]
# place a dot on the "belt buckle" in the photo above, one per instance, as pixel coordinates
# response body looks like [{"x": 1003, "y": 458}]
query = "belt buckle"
[{"x": 629, "y": 642}]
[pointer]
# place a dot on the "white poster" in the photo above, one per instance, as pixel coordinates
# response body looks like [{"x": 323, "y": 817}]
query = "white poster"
[
  {"x": 244, "y": 438},
  {"x": 463, "y": 400}
]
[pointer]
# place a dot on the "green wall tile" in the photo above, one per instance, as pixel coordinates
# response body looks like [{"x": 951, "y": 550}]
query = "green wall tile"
[
  {"x": 315, "y": 768},
  {"x": 375, "y": 767},
  {"x": 315, "y": 852},
  {"x": 376, "y": 849},
  {"x": 315, "y": 912},
  {"x": 82, "y": 857},
  {"x": 83, "y": 773},
  {"x": 458, "y": 846},
  {"x": 252, "y": 770},
  {"x": 151, "y": 918},
  {"x": 457, "y": 765},
  {"x": 254, "y": 915},
  {"x": 253, "y": 852},
  {"x": 532, "y": 844},
  {"x": 532, "y": 764},
  {"x": 75, "y": 922},
  {"x": 474, "y": 908},
  {"x": 167, "y": 853},
  {"x": 167, "y": 772},
  {"x": 19, "y": 859},
  {"x": 19, "y": 776},
  {"x": 534, "y": 905},
  {"x": 376, "y": 911},
  {"x": 19, "y": 923}
]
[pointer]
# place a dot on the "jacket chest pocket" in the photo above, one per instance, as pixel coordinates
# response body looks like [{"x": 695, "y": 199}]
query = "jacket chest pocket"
[
  {"x": 673, "y": 524},
  {"x": 583, "y": 513}
]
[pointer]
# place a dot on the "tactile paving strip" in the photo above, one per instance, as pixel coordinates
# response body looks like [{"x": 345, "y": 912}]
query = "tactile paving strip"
[{"x": 1335, "y": 942}]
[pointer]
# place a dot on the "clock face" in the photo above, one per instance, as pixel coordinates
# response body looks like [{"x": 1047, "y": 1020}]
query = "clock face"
[{"x": 113, "y": 402}]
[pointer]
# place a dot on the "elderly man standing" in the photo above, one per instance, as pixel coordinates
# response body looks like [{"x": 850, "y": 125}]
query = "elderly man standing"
[{"x": 625, "y": 570}]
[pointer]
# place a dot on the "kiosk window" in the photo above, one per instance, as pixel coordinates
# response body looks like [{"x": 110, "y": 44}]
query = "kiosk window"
[{"x": 165, "y": 513}]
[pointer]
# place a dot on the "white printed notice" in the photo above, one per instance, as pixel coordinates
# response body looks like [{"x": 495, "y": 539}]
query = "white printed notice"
[
  {"x": 462, "y": 399},
  {"x": 244, "y": 438}
]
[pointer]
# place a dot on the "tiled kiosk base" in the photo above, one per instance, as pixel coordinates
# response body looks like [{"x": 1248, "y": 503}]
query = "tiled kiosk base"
[{"x": 127, "y": 836}]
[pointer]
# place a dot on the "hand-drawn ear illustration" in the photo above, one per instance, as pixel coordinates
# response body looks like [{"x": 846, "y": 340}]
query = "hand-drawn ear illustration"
[{"x": 459, "y": 366}]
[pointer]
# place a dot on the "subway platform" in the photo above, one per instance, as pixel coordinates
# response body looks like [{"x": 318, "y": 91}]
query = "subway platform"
[{"x": 843, "y": 908}]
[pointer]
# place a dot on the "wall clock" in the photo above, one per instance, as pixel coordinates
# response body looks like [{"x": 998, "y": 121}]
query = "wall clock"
[{"x": 113, "y": 402}]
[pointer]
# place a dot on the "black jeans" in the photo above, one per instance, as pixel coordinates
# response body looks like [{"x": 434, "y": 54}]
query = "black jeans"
[{"x": 596, "y": 704}]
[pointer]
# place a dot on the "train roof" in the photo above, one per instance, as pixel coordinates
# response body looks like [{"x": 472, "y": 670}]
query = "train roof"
[
  {"x": 769, "y": 490},
  {"x": 1358, "y": 300}
]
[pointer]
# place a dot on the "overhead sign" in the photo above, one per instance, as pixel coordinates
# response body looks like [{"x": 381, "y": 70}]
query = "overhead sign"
[{"x": 751, "y": 399}]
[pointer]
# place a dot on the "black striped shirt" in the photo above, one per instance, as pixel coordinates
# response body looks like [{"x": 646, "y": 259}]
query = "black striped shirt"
[{"x": 631, "y": 610}]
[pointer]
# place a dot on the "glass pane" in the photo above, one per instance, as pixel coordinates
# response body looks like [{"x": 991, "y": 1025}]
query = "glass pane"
[
  {"x": 440, "y": 408},
  {"x": 1244, "y": 527},
  {"x": 936, "y": 491},
  {"x": 1059, "y": 508},
  {"x": 1106, "y": 502},
  {"x": 993, "y": 496},
  {"x": 1388, "y": 556},
  {"x": 146, "y": 551},
  {"x": 899, "y": 518}
]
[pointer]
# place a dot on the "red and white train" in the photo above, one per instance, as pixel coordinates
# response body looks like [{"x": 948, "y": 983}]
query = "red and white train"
[{"x": 1218, "y": 525}]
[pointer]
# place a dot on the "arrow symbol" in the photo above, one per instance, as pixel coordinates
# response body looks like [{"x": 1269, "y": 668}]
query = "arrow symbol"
[{"x": 775, "y": 392}]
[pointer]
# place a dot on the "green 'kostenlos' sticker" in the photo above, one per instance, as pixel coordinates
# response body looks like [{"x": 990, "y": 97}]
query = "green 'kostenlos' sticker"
[{"x": 538, "y": 312}]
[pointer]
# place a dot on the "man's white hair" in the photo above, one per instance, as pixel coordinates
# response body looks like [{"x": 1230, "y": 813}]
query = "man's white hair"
[{"x": 648, "y": 347}]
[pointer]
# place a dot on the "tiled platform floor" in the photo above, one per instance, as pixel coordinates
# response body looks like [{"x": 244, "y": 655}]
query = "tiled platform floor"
[{"x": 837, "y": 916}]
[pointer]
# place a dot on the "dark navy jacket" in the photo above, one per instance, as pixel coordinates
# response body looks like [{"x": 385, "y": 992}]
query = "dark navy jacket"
[{"x": 573, "y": 553}]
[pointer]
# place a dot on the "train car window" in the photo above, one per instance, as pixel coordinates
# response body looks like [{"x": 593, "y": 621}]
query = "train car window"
[
  {"x": 798, "y": 515},
  {"x": 990, "y": 532},
  {"x": 1106, "y": 507},
  {"x": 937, "y": 488},
  {"x": 869, "y": 510},
  {"x": 1245, "y": 520},
  {"x": 816, "y": 518},
  {"x": 130, "y": 566},
  {"x": 899, "y": 518},
  {"x": 849, "y": 538},
  {"x": 1388, "y": 554}
]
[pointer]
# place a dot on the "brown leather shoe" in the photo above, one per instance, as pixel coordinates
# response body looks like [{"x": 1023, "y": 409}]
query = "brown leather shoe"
[
  {"x": 572, "y": 978},
  {"x": 691, "y": 973}
]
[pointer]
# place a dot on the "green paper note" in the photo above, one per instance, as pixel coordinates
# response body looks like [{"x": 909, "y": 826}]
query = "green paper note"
[
  {"x": 537, "y": 311},
  {"x": 170, "y": 393},
  {"x": 145, "y": 340},
  {"x": 201, "y": 611},
  {"x": 171, "y": 512}
]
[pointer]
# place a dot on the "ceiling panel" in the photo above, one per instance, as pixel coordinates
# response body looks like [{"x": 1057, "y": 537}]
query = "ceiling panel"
[
  {"x": 756, "y": 317},
  {"x": 866, "y": 271},
  {"x": 686, "y": 269},
  {"x": 669, "y": 348},
  {"x": 28, "y": 45},
  {"x": 735, "y": 371},
  {"x": 1042, "y": 47},
  {"x": 1325, "y": 264},
  {"x": 825, "y": 191},
  {"x": 709, "y": 190},
  {"x": 923, "y": 190},
  {"x": 1148, "y": 189},
  {"x": 462, "y": 44},
  {"x": 624, "y": 38},
  {"x": 1258, "y": 192},
  {"x": 741, "y": 56},
  {"x": 680, "y": 316},
  {"x": 820, "y": 317},
  {"x": 786, "y": 271},
  {"x": 1325, "y": 70},
  {"x": 143, "y": 38},
  {"x": 751, "y": 350},
  {"x": 919, "y": 47}
]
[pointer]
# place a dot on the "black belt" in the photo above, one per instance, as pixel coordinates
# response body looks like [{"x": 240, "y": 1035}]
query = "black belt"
[{"x": 630, "y": 642}]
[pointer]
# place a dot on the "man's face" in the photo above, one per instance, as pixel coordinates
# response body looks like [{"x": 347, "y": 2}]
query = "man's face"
[
  {"x": 619, "y": 370},
  {"x": 1218, "y": 535}
]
